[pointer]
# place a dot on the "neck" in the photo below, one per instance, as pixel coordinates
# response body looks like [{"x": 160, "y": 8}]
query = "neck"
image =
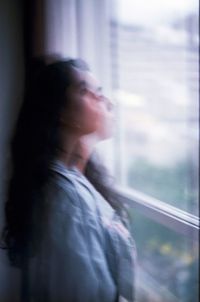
[
  {"x": 82, "y": 152},
  {"x": 66, "y": 150}
]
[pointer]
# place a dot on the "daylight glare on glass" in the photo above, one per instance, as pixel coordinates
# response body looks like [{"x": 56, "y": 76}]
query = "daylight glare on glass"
[{"x": 155, "y": 61}]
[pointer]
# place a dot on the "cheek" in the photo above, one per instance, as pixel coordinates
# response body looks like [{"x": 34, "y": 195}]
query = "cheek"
[{"x": 90, "y": 117}]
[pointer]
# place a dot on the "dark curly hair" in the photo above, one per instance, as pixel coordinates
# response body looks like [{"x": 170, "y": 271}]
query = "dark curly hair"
[{"x": 35, "y": 144}]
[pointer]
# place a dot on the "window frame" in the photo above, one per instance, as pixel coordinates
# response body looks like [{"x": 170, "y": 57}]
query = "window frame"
[{"x": 174, "y": 218}]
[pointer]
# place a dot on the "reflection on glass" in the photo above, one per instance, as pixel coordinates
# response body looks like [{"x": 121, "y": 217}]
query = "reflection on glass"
[
  {"x": 167, "y": 263},
  {"x": 155, "y": 62}
]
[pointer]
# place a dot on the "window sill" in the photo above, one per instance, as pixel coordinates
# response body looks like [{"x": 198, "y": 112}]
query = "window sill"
[{"x": 161, "y": 212}]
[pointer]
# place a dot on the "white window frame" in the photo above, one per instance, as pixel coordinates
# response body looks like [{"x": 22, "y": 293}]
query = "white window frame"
[{"x": 174, "y": 218}]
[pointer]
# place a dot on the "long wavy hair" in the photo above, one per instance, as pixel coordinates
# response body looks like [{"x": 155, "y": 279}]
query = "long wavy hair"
[{"x": 35, "y": 144}]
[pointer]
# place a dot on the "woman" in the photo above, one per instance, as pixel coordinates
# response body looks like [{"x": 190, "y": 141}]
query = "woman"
[{"x": 68, "y": 241}]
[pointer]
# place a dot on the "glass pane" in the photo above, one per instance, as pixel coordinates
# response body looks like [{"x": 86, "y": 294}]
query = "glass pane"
[
  {"x": 155, "y": 84},
  {"x": 168, "y": 263}
]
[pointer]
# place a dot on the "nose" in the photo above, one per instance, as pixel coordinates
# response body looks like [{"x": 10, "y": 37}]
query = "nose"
[{"x": 109, "y": 104}]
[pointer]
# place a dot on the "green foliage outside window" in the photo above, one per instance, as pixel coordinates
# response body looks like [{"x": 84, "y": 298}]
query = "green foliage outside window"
[{"x": 174, "y": 185}]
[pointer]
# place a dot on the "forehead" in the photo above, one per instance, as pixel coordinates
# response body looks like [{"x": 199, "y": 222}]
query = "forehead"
[{"x": 84, "y": 77}]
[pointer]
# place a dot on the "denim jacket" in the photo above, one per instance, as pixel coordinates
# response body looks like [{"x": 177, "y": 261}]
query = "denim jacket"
[{"x": 86, "y": 255}]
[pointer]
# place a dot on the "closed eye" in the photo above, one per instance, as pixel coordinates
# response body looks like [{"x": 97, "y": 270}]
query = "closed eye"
[
  {"x": 82, "y": 87},
  {"x": 83, "y": 90}
]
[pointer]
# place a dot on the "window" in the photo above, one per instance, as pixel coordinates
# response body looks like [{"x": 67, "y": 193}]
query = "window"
[
  {"x": 154, "y": 51},
  {"x": 155, "y": 59}
]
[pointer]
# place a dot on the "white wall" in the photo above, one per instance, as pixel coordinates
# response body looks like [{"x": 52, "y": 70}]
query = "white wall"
[{"x": 11, "y": 89}]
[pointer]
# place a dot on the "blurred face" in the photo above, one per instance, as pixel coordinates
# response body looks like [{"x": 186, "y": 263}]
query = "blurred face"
[
  {"x": 106, "y": 126},
  {"x": 83, "y": 111}
]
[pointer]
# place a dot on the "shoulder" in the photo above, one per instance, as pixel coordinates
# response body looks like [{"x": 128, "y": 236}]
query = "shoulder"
[
  {"x": 60, "y": 193},
  {"x": 72, "y": 183},
  {"x": 70, "y": 194}
]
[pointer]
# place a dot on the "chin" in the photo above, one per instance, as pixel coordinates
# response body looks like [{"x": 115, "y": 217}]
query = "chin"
[{"x": 106, "y": 135}]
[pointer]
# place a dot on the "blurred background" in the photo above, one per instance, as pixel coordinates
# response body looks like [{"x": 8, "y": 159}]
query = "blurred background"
[{"x": 146, "y": 55}]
